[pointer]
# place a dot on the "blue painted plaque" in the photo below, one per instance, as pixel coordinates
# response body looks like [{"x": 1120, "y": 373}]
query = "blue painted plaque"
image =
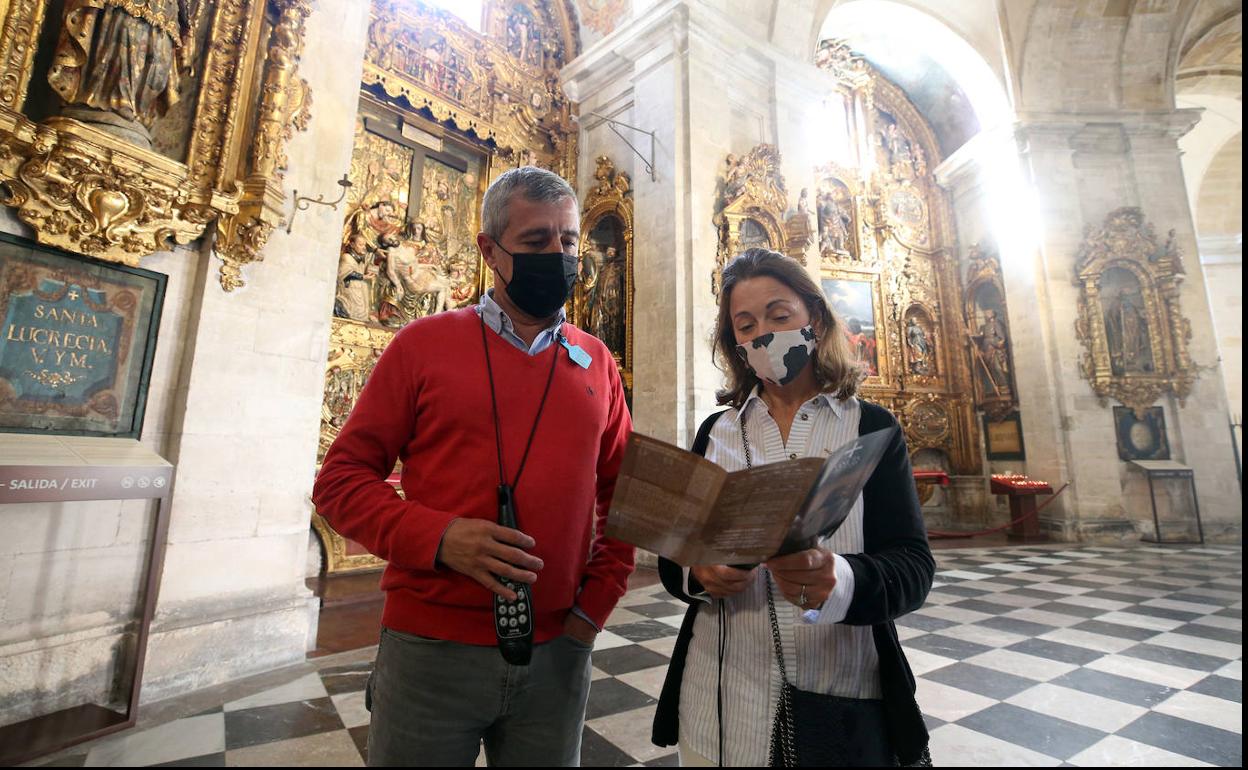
[{"x": 76, "y": 342}]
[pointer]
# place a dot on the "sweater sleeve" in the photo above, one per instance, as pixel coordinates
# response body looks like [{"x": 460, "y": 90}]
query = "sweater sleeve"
[
  {"x": 351, "y": 491},
  {"x": 611, "y": 560},
  {"x": 895, "y": 573}
]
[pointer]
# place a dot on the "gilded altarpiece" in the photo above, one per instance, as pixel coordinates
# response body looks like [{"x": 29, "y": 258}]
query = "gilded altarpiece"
[
  {"x": 988, "y": 334},
  {"x": 749, "y": 210},
  {"x": 602, "y": 302},
  {"x": 443, "y": 111},
  {"x": 1134, "y": 335},
  {"x": 128, "y": 127},
  {"x": 885, "y": 240}
]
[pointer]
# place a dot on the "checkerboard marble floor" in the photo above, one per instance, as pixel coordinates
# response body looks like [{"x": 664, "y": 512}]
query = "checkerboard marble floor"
[{"x": 1039, "y": 655}]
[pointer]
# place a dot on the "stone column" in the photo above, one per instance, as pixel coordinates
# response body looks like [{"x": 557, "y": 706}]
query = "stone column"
[
  {"x": 701, "y": 75},
  {"x": 246, "y": 414},
  {"x": 985, "y": 185},
  {"x": 1082, "y": 167},
  {"x": 1222, "y": 260}
]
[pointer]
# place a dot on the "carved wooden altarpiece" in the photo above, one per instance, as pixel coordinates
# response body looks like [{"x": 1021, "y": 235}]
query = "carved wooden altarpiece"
[
  {"x": 750, "y": 208},
  {"x": 886, "y": 240},
  {"x": 602, "y": 302},
  {"x": 103, "y": 162},
  {"x": 443, "y": 111},
  {"x": 1134, "y": 335}
]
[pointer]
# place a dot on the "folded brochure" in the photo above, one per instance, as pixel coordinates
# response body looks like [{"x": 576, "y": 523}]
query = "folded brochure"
[{"x": 688, "y": 509}]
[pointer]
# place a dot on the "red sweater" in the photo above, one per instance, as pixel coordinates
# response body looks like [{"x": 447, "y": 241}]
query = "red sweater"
[{"x": 428, "y": 404}]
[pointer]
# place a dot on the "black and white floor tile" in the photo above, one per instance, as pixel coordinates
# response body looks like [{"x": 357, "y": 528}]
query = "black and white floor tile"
[{"x": 1027, "y": 656}]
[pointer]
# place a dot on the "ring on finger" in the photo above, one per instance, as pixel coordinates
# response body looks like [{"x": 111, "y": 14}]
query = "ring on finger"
[{"x": 801, "y": 598}]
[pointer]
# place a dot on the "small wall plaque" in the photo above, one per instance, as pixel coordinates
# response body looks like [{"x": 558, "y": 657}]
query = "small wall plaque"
[{"x": 76, "y": 344}]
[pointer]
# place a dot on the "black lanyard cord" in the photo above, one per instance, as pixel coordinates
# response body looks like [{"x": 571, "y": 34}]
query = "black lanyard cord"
[{"x": 498, "y": 431}]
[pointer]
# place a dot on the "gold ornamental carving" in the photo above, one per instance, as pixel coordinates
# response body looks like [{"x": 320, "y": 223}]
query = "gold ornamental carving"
[
  {"x": 88, "y": 179},
  {"x": 988, "y": 334},
  {"x": 501, "y": 87},
  {"x": 749, "y": 212},
  {"x": 885, "y": 236},
  {"x": 602, "y": 303},
  {"x": 354, "y": 349},
  {"x": 1134, "y": 335}
]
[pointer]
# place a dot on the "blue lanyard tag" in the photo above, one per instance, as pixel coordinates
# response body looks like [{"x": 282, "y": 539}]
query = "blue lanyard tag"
[{"x": 576, "y": 353}]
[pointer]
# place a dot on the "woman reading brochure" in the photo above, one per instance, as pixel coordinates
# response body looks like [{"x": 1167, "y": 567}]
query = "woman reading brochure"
[{"x": 797, "y": 661}]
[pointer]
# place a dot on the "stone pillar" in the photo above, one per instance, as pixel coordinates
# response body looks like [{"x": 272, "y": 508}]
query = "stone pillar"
[
  {"x": 1082, "y": 167},
  {"x": 700, "y": 75},
  {"x": 1222, "y": 260},
  {"x": 246, "y": 414},
  {"x": 985, "y": 185}
]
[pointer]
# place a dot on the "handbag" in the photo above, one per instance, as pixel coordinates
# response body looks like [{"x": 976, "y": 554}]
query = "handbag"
[{"x": 811, "y": 729}]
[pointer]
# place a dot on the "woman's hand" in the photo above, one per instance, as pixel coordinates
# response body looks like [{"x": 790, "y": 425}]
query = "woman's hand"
[
  {"x": 806, "y": 575},
  {"x": 721, "y": 581}
]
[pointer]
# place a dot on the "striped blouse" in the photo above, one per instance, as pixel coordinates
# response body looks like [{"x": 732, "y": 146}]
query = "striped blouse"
[{"x": 820, "y": 654}]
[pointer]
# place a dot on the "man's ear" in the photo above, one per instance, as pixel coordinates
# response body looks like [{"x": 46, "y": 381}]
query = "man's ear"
[{"x": 485, "y": 244}]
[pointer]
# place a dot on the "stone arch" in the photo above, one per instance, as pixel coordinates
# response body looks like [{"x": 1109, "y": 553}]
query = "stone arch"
[{"x": 944, "y": 58}]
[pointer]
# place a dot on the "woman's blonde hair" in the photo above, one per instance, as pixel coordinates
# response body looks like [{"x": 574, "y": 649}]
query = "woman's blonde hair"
[{"x": 836, "y": 371}]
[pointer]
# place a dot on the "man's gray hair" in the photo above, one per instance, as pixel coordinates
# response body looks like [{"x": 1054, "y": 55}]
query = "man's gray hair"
[{"x": 535, "y": 184}]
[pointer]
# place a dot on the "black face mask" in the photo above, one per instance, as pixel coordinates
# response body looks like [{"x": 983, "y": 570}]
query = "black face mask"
[{"x": 540, "y": 283}]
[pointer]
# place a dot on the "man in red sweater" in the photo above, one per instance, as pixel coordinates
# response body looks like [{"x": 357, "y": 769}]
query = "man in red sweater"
[{"x": 504, "y": 393}]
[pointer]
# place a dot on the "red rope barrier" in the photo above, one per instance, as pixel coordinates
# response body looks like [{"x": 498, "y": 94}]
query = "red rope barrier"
[{"x": 933, "y": 533}]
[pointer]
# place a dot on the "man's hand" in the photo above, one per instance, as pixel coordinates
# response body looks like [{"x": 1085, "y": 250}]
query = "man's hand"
[
  {"x": 806, "y": 578},
  {"x": 482, "y": 549},
  {"x": 579, "y": 629},
  {"x": 722, "y": 581}
]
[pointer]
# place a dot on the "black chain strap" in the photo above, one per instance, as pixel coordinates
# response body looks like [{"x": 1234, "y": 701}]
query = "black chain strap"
[
  {"x": 745, "y": 442},
  {"x": 783, "y": 730}
]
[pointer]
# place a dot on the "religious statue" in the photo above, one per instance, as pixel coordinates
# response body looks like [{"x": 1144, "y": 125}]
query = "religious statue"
[
  {"x": 992, "y": 342},
  {"x": 919, "y": 346},
  {"x": 377, "y": 221},
  {"x": 590, "y": 265},
  {"x": 357, "y": 274},
  {"x": 834, "y": 224},
  {"x": 803, "y": 202},
  {"x": 734, "y": 177},
  {"x": 898, "y": 151},
  {"x": 607, "y": 310},
  {"x": 1126, "y": 333},
  {"x": 418, "y": 286},
  {"x": 118, "y": 63}
]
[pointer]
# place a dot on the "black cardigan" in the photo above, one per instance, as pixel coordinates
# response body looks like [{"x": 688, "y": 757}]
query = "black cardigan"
[{"x": 891, "y": 578}]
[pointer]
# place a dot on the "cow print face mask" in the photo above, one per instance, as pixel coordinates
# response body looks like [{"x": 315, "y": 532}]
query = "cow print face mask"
[{"x": 778, "y": 357}]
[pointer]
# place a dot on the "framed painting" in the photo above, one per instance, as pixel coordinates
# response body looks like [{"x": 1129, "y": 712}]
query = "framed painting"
[{"x": 855, "y": 301}]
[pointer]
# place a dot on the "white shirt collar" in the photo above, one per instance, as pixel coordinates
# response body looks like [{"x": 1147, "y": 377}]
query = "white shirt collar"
[
  {"x": 499, "y": 321},
  {"x": 837, "y": 405}
]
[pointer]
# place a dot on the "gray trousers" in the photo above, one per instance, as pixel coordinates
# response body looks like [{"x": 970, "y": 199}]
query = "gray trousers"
[{"x": 434, "y": 702}]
